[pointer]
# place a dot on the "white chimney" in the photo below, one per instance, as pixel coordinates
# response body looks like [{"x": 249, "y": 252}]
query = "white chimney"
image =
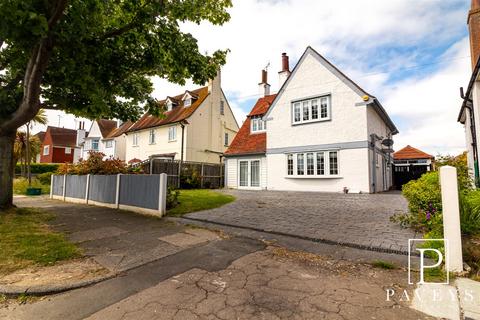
[
  {"x": 283, "y": 75},
  {"x": 81, "y": 133},
  {"x": 264, "y": 87}
]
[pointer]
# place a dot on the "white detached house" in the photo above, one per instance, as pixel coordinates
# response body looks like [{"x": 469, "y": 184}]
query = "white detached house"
[{"x": 323, "y": 133}]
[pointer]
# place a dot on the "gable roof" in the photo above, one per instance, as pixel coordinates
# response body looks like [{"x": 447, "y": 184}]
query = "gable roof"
[
  {"x": 177, "y": 114},
  {"x": 246, "y": 142},
  {"x": 106, "y": 126},
  {"x": 372, "y": 100},
  {"x": 63, "y": 137},
  {"x": 410, "y": 152},
  {"x": 120, "y": 130}
]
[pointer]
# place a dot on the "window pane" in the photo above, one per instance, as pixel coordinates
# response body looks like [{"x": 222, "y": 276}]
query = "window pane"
[
  {"x": 297, "y": 112},
  {"x": 320, "y": 163},
  {"x": 243, "y": 173},
  {"x": 222, "y": 107},
  {"x": 333, "y": 162},
  {"x": 290, "y": 164},
  {"x": 314, "y": 109},
  {"x": 305, "y": 111},
  {"x": 226, "y": 139},
  {"x": 324, "y": 107},
  {"x": 260, "y": 124},
  {"x": 310, "y": 164},
  {"x": 254, "y": 124},
  {"x": 300, "y": 164},
  {"x": 255, "y": 173}
]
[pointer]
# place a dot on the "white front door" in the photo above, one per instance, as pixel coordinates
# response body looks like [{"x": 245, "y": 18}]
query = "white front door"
[{"x": 249, "y": 175}]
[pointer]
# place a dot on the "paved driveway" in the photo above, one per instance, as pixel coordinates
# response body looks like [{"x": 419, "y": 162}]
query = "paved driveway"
[{"x": 355, "y": 220}]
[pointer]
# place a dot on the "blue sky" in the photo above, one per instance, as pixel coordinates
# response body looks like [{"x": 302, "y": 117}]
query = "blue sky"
[{"x": 412, "y": 54}]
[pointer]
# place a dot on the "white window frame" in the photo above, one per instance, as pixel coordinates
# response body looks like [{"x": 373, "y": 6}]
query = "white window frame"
[
  {"x": 46, "y": 150},
  {"x": 301, "y": 110},
  {"x": 226, "y": 140},
  {"x": 98, "y": 144},
  {"x": 151, "y": 136},
  {"x": 294, "y": 173},
  {"x": 68, "y": 150},
  {"x": 169, "y": 106},
  {"x": 172, "y": 133},
  {"x": 108, "y": 144},
  {"x": 135, "y": 140},
  {"x": 187, "y": 102},
  {"x": 249, "y": 174},
  {"x": 257, "y": 125}
]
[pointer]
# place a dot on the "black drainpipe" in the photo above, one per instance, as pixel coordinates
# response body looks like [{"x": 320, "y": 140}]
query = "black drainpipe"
[{"x": 474, "y": 137}]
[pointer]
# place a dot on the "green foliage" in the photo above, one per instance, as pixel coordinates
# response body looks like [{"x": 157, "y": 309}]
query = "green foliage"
[
  {"x": 99, "y": 51},
  {"x": 200, "y": 199},
  {"x": 172, "y": 197},
  {"x": 37, "y": 168},
  {"x": 465, "y": 182},
  {"x": 470, "y": 212},
  {"x": 190, "y": 179},
  {"x": 383, "y": 265},
  {"x": 27, "y": 240},
  {"x": 20, "y": 186},
  {"x": 94, "y": 165},
  {"x": 45, "y": 178}
]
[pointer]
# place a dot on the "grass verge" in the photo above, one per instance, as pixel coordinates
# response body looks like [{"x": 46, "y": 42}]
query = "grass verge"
[
  {"x": 20, "y": 186},
  {"x": 26, "y": 240},
  {"x": 199, "y": 199},
  {"x": 383, "y": 265}
]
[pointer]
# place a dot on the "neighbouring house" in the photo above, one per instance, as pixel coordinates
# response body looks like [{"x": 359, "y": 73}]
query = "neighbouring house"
[
  {"x": 320, "y": 132},
  {"x": 61, "y": 145},
  {"x": 198, "y": 125},
  {"x": 107, "y": 137},
  {"x": 409, "y": 164},
  {"x": 469, "y": 112}
]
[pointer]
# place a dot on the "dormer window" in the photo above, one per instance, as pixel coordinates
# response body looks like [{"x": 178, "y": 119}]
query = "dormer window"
[
  {"x": 257, "y": 124},
  {"x": 188, "y": 98},
  {"x": 187, "y": 102},
  {"x": 169, "y": 106},
  {"x": 170, "y": 103}
]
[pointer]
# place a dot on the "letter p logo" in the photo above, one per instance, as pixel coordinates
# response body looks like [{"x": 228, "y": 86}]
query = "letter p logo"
[{"x": 422, "y": 259}]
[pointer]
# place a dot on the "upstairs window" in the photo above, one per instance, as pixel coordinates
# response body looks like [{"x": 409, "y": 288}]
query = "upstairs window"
[
  {"x": 172, "y": 133},
  {"x": 151, "y": 137},
  {"x": 46, "y": 150},
  {"x": 257, "y": 124},
  {"x": 222, "y": 108},
  {"x": 311, "y": 110},
  {"x": 169, "y": 106},
  {"x": 68, "y": 150},
  {"x": 95, "y": 144},
  {"x": 108, "y": 143},
  {"x": 187, "y": 102},
  {"x": 226, "y": 139},
  {"x": 135, "y": 140}
]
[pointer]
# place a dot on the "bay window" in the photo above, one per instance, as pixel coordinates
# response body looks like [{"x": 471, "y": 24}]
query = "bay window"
[
  {"x": 311, "y": 110},
  {"x": 313, "y": 164}
]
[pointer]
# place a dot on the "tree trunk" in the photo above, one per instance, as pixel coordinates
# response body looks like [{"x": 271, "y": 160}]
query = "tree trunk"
[
  {"x": 6, "y": 170},
  {"x": 28, "y": 156}
]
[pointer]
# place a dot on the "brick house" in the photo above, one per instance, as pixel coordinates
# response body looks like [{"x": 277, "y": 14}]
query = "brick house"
[{"x": 60, "y": 145}]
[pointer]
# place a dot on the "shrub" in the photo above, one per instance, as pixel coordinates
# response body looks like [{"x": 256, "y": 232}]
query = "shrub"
[
  {"x": 20, "y": 186},
  {"x": 38, "y": 168},
  {"x": 172, "y": 197},
  {"x": 94, "y": 165},
  {"x": 470, "y": 212},
  {"x": 464, "y": 176},
  {"x": 190, "y": 180},
  {"x": 45, "y": 178},
  {"x": 424, "y": 197}
]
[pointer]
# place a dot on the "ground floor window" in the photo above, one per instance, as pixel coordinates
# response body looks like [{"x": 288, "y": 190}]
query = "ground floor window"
[
  {"x": 249, "y": 175},
  {"x": 319, "y": 163}
]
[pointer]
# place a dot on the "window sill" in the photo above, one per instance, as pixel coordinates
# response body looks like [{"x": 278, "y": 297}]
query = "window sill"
[
  {"x": 151, "y": 144},
  {"x": 172, "y": 140},
  {"x": 310, "y": 121},
  {"x": 315, "y": 177}
]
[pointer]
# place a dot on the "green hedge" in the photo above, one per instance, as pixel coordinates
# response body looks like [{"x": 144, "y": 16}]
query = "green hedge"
[{"x": 37, "y": 168}]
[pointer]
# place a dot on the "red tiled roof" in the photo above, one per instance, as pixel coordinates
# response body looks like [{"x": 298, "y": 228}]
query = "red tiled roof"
[
  {"x": 120, "y": 130},
  {"x": 178, "y": 113},
  {"x": 410, "y": 152},
  {"x": 246, "y": 142},
  {"x": 63, "y": 137},
  {"x": 106, "y": 126}
]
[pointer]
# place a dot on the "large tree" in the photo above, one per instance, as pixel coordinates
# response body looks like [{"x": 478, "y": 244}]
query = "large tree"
[{"x": 94, "y": 58}]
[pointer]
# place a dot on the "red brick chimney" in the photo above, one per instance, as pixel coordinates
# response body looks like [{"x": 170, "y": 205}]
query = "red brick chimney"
[
  {"x": 474, "y": 29},
  {"x": 264, "y": 87},
  {"x": 283, "y": 75}
]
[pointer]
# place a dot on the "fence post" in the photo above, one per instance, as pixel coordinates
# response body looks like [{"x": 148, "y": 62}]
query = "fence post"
[
  {"x": 51, "y": 185},
  {"x": 451, "y": 218},
  {"x": 117, "y": 191},
  {"x": 162, "y": 196},
  {"x": 64, "y": 186},
  {"x": 201, "y": 179},
  {"x": 87, "y": 190}
]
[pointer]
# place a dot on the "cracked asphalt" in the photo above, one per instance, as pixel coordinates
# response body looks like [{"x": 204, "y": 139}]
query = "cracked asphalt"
[{"x": 270, "y": 284}]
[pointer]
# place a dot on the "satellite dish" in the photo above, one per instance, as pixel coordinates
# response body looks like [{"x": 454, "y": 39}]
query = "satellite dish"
[{"x": 387, "y": 142}]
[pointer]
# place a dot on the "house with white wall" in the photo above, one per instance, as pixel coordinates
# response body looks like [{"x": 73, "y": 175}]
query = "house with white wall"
[
  {"x": 322, "y": 132},
  {"x": 198, "y": 125},
  {"x": 107, "y": 137}
]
